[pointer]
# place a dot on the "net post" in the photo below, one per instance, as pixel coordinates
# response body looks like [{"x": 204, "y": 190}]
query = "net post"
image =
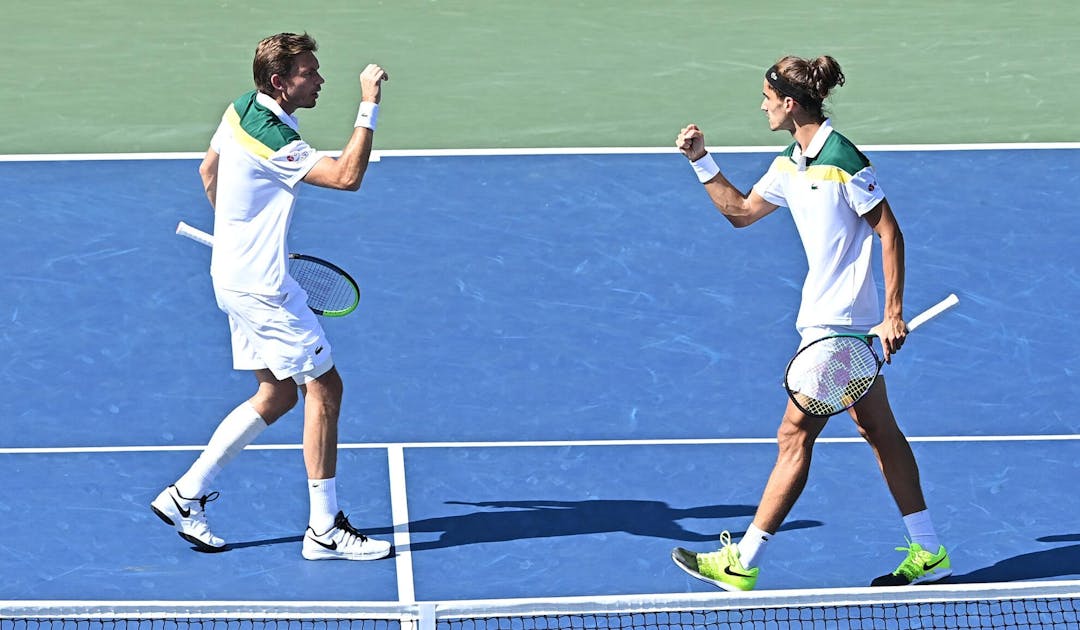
[{"x": 426, "y": 616}]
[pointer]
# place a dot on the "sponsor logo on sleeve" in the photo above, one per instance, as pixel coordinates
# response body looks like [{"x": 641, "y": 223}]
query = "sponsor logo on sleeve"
[{"x": 298, "y": 155}]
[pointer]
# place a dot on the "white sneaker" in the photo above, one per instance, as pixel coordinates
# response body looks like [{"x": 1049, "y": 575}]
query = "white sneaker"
[
  {"x": 188, "y": 516},
  {"x": 343, "y": 542}
]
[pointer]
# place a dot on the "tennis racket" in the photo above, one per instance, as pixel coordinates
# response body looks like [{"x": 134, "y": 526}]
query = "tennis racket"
[
  {"x": 331, "y": 291},
  {"x": 833, "y": 373}
]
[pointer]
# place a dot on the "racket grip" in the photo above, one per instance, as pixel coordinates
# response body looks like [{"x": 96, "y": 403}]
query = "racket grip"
[
  {"x": 933, "y": 312},
  {"x": 195, "y": 234}
]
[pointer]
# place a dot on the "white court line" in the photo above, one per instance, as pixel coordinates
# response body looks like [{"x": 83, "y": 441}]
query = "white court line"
[
  {"x": 399, "y": 510},
  {"x": 522, "y": 444},
  {"x": 115, "y": 157},
  {"x": 94, "y": 157},
  {"x": 985, "y": 146},
  {"x": 376, "y": 155}
]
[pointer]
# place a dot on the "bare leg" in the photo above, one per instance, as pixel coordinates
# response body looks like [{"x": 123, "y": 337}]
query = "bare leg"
[
  {"x": 322, "y": 405},
  {"x": 795, "y": 439},
  {"x": 329, "y": 534},
  {"x": 874, "y": 418},
  {"x": 274, "y": 398}
]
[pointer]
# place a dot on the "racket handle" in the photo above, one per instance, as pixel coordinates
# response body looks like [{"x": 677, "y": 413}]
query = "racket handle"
[
  {"x": 195, "y": 234},
  {"x": 933, "y": 312}
]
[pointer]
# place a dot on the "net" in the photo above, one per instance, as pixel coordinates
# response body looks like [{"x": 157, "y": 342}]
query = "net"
[
  {"x": 1023, "y": 605},
  {"x": 77, "y": 615}
]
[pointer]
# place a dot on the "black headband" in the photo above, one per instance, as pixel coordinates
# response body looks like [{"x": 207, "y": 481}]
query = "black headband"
[{"x": 783, "y": 88}]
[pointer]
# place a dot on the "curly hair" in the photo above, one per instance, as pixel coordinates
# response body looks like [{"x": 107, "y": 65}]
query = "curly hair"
[{"x": 810, "y": 80}]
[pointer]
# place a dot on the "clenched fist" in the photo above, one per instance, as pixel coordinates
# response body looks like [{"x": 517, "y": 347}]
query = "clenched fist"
[
  {"x": 371, "y": 83},
  {"x": 691, "y": 141}
]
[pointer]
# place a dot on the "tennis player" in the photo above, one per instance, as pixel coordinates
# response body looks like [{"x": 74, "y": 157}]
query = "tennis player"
[
  {"x": 251, "y": 173},
  {"x": 838, "y": 205}
]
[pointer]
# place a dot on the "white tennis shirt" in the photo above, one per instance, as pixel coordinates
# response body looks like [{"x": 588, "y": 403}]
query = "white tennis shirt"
[
  {"x": 262, "y": 161},
  {"x": 828, "y": 189}
]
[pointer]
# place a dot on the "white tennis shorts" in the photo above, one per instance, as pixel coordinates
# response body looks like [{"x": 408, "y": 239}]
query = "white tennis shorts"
[
  {"x": 810, "y": 334},
  {"x": 276, "y": 332}
]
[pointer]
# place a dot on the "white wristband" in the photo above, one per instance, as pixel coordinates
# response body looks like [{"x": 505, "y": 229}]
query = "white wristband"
[
  {"x": 367, "y": 115},
  {"x": 705, "y": 167}
]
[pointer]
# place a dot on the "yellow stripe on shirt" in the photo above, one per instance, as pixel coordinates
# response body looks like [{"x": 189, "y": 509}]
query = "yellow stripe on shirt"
[
  {"x": 245, "y": 139},
  {"x": 822, "y": 173}
]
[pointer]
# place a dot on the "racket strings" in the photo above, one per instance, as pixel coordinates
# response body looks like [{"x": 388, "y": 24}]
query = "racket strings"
[
  {"x": 328, "y": 290},
  {"x": 830, "y": 375}
]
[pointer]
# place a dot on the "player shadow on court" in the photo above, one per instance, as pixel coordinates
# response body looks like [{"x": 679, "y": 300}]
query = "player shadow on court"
[
  {"x": 1057, "y": 562},
  {"x": 515, "y": 520},
  {"x": 261, "y": 543},
  {"x": 266, "y": 542}
]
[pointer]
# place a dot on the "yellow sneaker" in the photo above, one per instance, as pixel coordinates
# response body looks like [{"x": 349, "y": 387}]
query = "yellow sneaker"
[
  {"x": 918, "y": 567},
  {"x": 721, "y": 568}
]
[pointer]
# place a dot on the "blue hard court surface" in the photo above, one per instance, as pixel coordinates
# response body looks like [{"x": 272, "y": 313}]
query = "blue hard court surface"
[{"x": 529, "y": 298}]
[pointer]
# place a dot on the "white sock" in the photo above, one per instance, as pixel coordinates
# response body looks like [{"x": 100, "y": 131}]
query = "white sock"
[
  {"x": 752, "y": 545},
  {"x": 236, "y": 431},
  {"x": 324, "y": 508},
  {"x": 921, "y": 530}
]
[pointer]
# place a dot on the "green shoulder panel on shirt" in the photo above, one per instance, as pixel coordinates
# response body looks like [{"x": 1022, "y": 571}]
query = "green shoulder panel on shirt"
[
  {"x": 261, "y": 124},
  {"x": 840, "y": 152}
]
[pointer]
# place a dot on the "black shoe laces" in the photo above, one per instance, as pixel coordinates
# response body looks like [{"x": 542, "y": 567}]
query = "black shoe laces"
[
  {"x": 206, "y": 498},
  {"x": 342, "y": 522}
]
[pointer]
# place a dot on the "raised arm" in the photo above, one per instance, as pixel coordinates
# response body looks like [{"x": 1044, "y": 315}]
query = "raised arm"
[
  {"x": 740, "y": 210},
  {"x": 346, "y": 172}
]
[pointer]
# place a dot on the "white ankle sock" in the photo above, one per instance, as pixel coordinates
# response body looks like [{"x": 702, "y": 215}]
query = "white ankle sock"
[
  {"x": 921, "y": 530},
  {"x": 752, "y": 545},
  {"x": 324, "y": 507},
  {"x": 236, "y": 431}
]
